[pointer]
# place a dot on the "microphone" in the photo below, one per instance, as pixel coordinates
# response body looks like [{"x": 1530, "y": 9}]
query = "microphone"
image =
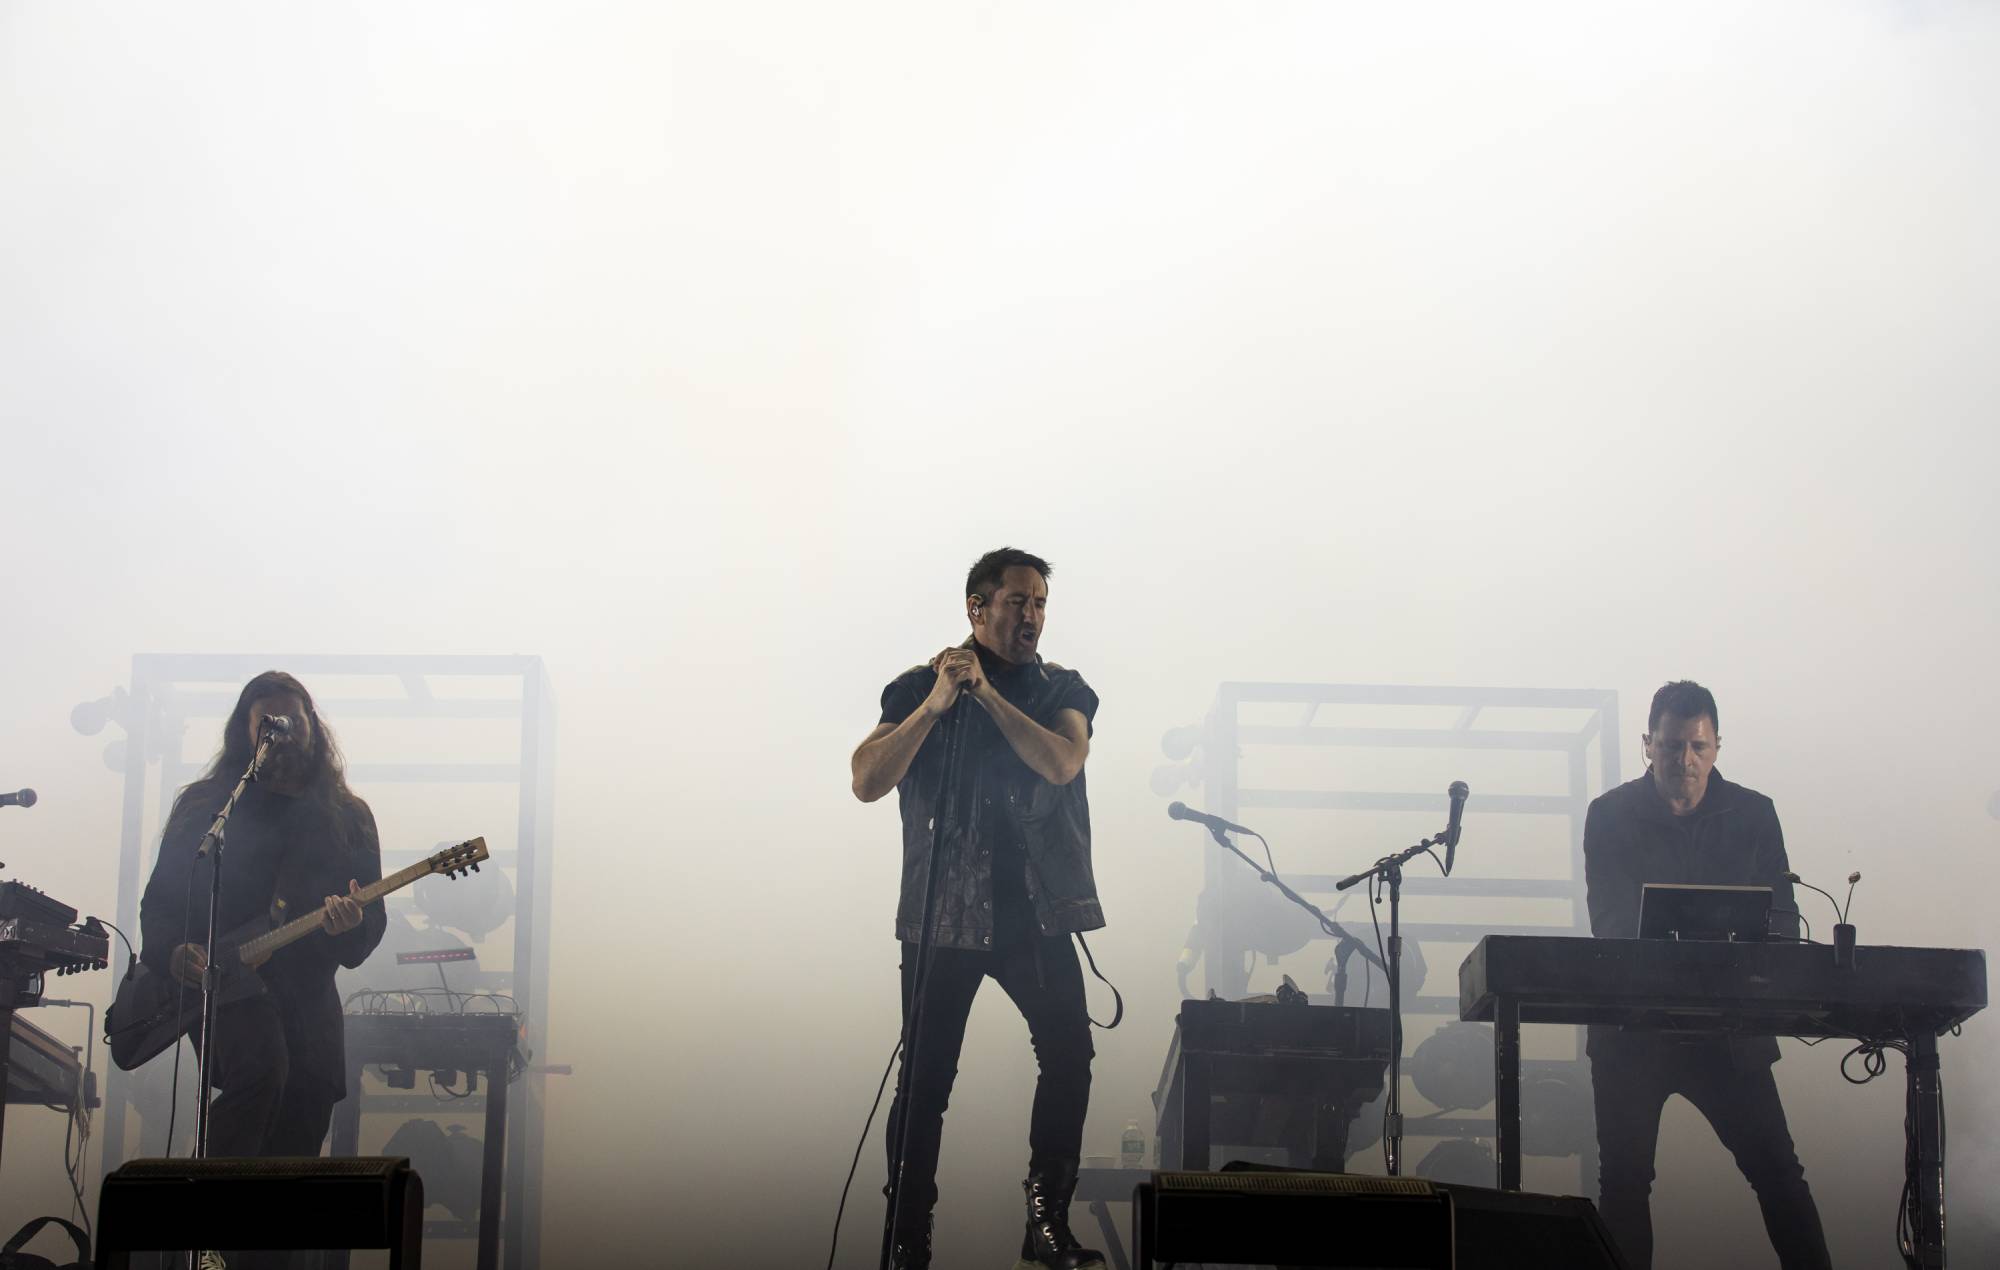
[
  {"x": 281, "y": 724},
  {"x": 1181, "y": 811},
  {"x": 1843, "y": 930},
  {"x": 1458, "y": 793},
  {"x": 19, "y": 798},
  {"x": 1839, "y": 914}
]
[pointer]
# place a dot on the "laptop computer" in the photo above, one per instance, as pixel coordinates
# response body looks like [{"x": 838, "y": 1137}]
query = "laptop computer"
[{"x": 1681, "y": 910}]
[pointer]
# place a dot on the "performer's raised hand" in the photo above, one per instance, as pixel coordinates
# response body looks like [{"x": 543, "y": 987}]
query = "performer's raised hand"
[{"x": 958, "y": 670}]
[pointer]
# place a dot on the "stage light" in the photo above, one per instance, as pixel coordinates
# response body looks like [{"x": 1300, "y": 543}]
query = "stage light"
[
  {"x": 1179, "y": 743},
  {"x": 477, "y": 904},
  {"x": 1464, "y": 1161},
  {"x": 1556, "y": 1116},
  {"x": 89, "y": 717},
  {"x": 1453, "y": 1068},
  {"x": 449, "y": 1163}
]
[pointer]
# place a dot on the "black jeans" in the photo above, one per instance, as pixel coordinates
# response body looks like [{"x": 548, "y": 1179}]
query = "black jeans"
[
  {"x": 266, "y": 1103},
  {"x": 1740, "y": 1103},
  {"x": 269, "y": 1103},
  {"x": 1043, "y": 978}
]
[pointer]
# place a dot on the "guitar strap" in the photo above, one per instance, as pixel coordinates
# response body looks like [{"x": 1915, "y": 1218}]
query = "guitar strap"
[{"x": 1117, "y": 999}]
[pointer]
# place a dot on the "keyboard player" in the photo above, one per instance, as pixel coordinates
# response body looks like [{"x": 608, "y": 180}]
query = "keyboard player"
[{"x": 1682, "y": 822}]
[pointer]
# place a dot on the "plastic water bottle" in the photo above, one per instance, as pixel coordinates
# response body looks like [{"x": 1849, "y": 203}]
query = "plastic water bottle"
[{"x": 1132, "y": 1146}]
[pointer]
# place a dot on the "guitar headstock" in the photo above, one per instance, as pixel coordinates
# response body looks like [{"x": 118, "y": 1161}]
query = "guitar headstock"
[{"x": 459, "y": 860}]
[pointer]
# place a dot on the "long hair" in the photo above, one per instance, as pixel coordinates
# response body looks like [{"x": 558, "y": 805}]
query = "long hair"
[{"x": 325, "y": 771}]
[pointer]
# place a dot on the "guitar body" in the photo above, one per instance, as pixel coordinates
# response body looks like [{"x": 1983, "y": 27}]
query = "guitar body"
[{"x": 152, "y": 1012}]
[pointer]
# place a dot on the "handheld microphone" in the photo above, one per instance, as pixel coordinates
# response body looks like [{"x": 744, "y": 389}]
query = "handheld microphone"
[
  {"x": 1458, "y": 792},
  {"x": 19, "y": 798},
  {"x": 278, "y": 724},
  {"x": 1181, "y": 811}
]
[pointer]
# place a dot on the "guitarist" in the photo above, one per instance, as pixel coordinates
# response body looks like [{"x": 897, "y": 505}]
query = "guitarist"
[{"x": 299, "y": 840}]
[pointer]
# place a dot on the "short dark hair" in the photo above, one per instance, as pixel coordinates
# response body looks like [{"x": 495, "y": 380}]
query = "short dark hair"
[
  {"x": 988, "y": 570},
  {"x": 1684, "y": 699}
]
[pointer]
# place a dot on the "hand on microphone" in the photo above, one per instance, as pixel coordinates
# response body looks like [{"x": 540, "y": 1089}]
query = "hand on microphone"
[{"x": 958, "y": 671}]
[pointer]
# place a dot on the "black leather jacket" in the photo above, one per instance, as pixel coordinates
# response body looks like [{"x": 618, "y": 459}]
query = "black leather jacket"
[
  {"x": 1632, "y": 837},
  {"x": 1050, "y": 824}
]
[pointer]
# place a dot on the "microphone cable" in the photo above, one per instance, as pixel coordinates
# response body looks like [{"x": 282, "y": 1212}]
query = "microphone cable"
[{"x": 876, "y": 1106}]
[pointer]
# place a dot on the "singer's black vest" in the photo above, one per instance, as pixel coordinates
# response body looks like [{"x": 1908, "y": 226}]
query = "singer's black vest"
[{"x": 1000, "y": 798}]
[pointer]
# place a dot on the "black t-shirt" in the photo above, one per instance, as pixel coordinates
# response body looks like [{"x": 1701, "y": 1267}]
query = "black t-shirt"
[{"x": 990, "y": 766}]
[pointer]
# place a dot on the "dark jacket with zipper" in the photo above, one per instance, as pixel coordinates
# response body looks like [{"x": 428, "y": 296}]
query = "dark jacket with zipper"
[
  {"x": 1632, "y": 837},
  {"x": 1015, "y": 850}
]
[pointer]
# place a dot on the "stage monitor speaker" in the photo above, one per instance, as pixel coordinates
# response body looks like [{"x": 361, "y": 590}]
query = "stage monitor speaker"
[
  {"x": 1347, "y": 1221},
  {"x": 282, "y": 1203}
]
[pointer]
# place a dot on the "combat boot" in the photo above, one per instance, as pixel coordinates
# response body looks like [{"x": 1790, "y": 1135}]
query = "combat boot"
[{"x": 1048, "y": 1243}]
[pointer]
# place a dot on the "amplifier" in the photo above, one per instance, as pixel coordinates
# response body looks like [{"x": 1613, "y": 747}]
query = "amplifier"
[{"x": 1348, "y": 1221}]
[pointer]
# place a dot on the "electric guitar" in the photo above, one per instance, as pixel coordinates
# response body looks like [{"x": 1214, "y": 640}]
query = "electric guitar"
[{"x": 152, "y": 1011}]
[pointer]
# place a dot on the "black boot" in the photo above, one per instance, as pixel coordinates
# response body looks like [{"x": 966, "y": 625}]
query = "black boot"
[
  {"x": 1048, "y": 1244},
  {"x": 911, "y": 1248}
]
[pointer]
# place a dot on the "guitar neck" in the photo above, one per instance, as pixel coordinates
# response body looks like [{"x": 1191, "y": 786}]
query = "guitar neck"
[{"x": 260, "y": 948}]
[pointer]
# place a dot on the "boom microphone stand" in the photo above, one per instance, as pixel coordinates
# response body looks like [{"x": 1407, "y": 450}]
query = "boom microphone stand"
[
  {"x": 1347, "y": 943},
  {"x": 1390, "y": 869},
  {"x": 954, "y": 739},
  {"x": 211, "y": 977}
]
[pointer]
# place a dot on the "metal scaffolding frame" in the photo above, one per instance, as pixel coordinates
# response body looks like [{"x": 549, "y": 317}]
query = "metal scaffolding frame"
[
  {"x": 1218, "y": 768},
  {"x": 167, "y": 690}
]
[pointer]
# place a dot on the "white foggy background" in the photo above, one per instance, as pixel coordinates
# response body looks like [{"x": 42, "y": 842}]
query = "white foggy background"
[{"x": 699, "y": 349}]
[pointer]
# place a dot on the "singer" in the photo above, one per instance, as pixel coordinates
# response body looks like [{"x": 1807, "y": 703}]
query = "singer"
[
  {"x": 299, "y": 838},
  {"x": 1014, "y": 883},
  {"x": 1682, "y": 822}
]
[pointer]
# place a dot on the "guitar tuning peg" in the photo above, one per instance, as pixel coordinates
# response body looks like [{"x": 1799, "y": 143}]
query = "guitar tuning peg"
[{"x": 475, "y": 866}]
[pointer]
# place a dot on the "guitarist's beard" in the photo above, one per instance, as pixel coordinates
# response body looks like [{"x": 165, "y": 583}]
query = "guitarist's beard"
[{"x": 284, "y": 769}]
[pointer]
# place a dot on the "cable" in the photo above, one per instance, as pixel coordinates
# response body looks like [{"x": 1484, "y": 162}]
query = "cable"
[
  {"x": 1872, "y": 1051},
  {"x": 121, "y": 936},
  {"x": 180, "y": 1005},
  {"x": 76, "y": 1127},
  {"x": 1268, "y": 859},
  {"x": 858, "y": 1147}
]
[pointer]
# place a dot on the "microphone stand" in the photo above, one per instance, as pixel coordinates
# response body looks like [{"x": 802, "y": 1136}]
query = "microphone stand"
[
  {"x": 954, "y": 724},
  {"x": 211, "y": 978},
  {"x": 1327, "y": 924},
  {"x": 1390, "y": 869}
]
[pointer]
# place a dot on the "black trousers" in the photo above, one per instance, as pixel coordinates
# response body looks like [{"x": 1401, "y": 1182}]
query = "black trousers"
[
  {"x": 1043, "y": 978},
  {"x": 1740, "y": 1103},
  {"x": 269, "y": 1101}
]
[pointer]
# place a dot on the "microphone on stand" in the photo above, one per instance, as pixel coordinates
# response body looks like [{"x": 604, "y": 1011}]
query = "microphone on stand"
[
  {"x": 1458, "y": 793},
  {"x": 277, "y": 724},
  {"x": 19, "y": 798},
  {"x": 1843, "y": 930},
  {"x": 1181, "y": 811}
]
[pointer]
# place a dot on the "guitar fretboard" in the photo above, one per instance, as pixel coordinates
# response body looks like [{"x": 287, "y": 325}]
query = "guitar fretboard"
[{"x": 260, "y": 949}]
